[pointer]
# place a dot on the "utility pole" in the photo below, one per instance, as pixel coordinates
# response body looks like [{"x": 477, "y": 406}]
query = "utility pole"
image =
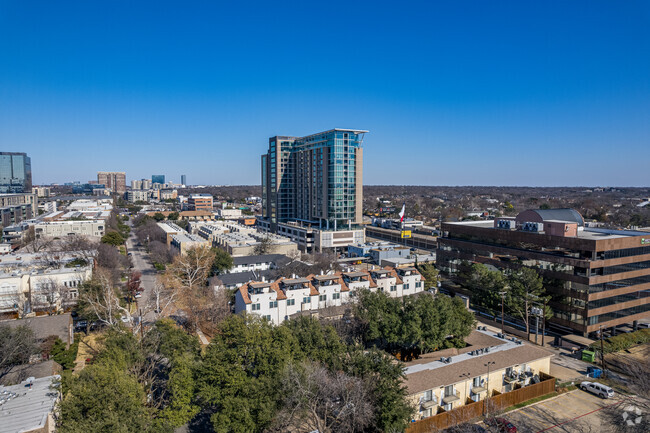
[
  {"x": 487, "y": 396},
  {"x": 503, "y": 297},
  {"x": 602, "y": 350}
]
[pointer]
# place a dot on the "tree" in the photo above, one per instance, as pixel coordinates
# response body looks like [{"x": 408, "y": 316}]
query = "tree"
[
  {"x": 103, "y": 398},
  {"x": 113, "y": 238},
  {"x": 317, "y": 399},
  {"x": 35, "y": 243},
  {"x": 485, "y": 285},
  {"x": 159, "y": 252},
  {"x": 173, "y": 216},
  {"x": 222, "y": 261},
  {"x": 430, "y": 274},
  {"x": 99, "y": 299},
  {"x": 526, "y": 289},
  {"x": 17, "y": 345},
  {"x": 187, "y": 275},
  {"x": 158, "y": 216},
  {"x": 265, "y": 246}
]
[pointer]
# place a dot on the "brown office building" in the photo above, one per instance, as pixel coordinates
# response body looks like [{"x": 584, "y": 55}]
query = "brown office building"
[
  {"x": 200, "y": 202},
  {"x": 116, "y": 181},
  {"x": 596, "y": 277}
]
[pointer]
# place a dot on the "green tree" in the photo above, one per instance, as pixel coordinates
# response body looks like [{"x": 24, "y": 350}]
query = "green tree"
[
  {"x": 173, "y": 216},
  {"x": 317, "y": 342},
  {"x": 158, "y": 216},
  {"x": 113, "y": 238},
  {"x": 181, "y": 387},
  {"x": 485, "y": 285},
  {"x": 430, "y": 274},
  {"x": 222, "y": 261},
  {"x": 526, "y": 290},
  {"x": 105, "y": 399}
]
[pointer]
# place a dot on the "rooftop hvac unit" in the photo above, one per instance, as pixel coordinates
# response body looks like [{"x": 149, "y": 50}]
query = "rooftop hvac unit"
[
  {"x": 506, "y": 224},
  {"x": 532, "y": 227}
]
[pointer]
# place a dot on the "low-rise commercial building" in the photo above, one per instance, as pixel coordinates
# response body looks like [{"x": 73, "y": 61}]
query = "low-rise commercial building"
[
  {"x": 312, "y": 239},
  {"x": 447, "y": 379},
  {"x": 246, "y": 244},
  {"x": 229, "y": 214}
]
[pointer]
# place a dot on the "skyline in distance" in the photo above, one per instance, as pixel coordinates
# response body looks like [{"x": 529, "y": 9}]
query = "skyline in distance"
[{"x": 470, "y": 93}]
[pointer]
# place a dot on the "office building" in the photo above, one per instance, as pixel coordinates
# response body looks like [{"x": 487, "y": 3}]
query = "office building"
[
  {"x": 158, "y": 178},
  {"x": 113, "y": 180},
  {"x": 315, "y": 182},
  {"x": 183, "y": 180},
  {"x": 15, "y": 172},
  {"x": 200, "y": 202},
  {"x": 59, "y": 229},
  {"x": 596, "y": 277}
]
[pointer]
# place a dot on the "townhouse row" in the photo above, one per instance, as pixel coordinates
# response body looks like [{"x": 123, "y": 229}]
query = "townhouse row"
[{"x": 278, "y": 300}]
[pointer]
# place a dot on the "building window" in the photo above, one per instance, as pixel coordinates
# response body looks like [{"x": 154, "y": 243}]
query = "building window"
[
  {"x": 336, "y": 296},
  {"x": 406, "y": 286},
  {"x": 291, "y": 302},
  {"x": 267, "y": 317},
  {"x": 273, "y": 304},
  {"x": 393, "y": 288},
  {"x": 306, "y": 300},
  {"x": 418, "y": 284},
  {"x": 428, "y": 395},
  {"x": 256, "y": 307},
  {"x": 322, "y": 297}
]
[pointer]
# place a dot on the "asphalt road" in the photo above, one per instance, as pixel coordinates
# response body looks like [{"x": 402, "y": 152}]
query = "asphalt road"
[{"x": 141, "y": 263}]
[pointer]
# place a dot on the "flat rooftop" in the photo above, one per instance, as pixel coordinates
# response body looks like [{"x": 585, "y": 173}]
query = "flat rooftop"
[{"x": 27, "y": 409}]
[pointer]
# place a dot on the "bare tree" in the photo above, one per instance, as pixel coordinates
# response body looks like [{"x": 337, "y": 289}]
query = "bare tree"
[
  {"x": 34, "y": 243},
  {"x": 161, "y": 299},
  {"x": 316, "y": 399},
  {"x": 265, "y": 246},
  {"x": 101, "y": 299},
  {"x": 17, "y": 345},
  {"x": 47, "y": 295},
  {"x": 187, "y": 275}
]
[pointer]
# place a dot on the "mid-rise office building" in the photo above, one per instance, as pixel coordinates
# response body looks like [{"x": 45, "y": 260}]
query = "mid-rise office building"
[
  {"x": 596, "y": 277},
  {"x": 15, "y": 172},
  {"x": 316, "y": 183},
  {"x": 183, "y": 180},
  {"x": 114, "y": 180},
  {"x": 200, "y": 202},
  {"x": 158, "y": 178}
]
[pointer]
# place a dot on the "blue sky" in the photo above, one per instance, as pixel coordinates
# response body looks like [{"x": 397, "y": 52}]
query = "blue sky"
[{"x": 453, "y": 93}]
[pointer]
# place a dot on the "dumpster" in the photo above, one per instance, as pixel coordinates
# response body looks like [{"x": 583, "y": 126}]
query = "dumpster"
[
  {"x": 594, "y": 372},
  {"x": 588, "y": 355}
]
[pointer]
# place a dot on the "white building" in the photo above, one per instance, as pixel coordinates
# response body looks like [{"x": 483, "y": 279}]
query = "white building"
[
  {"x": 229, "y": 214},
  {"x": 279, "y": 300},
  {"x": 60, "y": 229},
  {"x": 182, "y": 242},
  {"x": 90, "y": 205}
]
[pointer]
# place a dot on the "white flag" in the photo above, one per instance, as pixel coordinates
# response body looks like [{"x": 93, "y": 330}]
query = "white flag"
[{"x": 402, "y": 213}]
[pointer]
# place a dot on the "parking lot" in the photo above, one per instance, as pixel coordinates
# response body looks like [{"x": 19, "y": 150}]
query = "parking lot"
[{"x": 575, "y": 411}]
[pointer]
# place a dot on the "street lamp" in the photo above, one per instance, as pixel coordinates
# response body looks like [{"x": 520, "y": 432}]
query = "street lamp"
[
  {"x": 466, "y": 376},
  {"x": 487, "y": 397}
]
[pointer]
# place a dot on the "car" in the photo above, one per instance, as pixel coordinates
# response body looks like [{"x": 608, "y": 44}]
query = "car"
[
  {"x": 602, "y": 391},
  {"x": 130, "y": 254},
  {"x": 138, "y": 295},
  {"x": 502, "y": 425}
]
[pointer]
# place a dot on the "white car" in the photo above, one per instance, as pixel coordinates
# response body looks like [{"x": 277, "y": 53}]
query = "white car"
[{"x": 602, "y": 391}]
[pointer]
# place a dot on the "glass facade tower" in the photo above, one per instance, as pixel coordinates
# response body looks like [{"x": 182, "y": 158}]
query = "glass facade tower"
[
  {"x": 315, "y": 180},
  {"x": 158, "y": 178},
  {"x": 15, "y": 173}
]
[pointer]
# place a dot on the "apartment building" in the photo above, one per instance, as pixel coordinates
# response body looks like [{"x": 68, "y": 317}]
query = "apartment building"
[
  {"x": 15, "y": 208},
  {"x": 490, "y": 363},
  {"x": 182, "y": 242},
  {"x": 316, "y": 183},
  {"x": 596, "y": 277},
  {"x": 170, "y": 230},
  {"x": 281, "y": 299},
  {"x": 114, "y": 180}
]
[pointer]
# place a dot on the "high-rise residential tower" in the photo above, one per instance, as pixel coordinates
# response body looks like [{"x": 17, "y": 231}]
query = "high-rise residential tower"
[
  {"x": 15, "y": 172},
  {"x": 115, "y": 180},
  {"x": 315, "y": 182}
]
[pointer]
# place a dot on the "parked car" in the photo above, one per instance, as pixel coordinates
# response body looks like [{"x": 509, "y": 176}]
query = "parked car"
[
  {"x": 502, "y": 425},
  {"x": 138, "y": 295},
  {"x": 602, "y": 391}
]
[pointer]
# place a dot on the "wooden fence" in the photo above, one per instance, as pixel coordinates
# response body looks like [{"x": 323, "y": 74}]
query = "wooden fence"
[{"x": 496, "y": 403}]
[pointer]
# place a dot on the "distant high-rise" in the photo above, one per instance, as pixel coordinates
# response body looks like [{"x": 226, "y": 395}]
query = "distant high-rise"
[
  {"x": 183, "y": 179},
  {"x": 158, "y": 178},
  {"x": 115, "y": 180},
  {"x": 15, "y": 172},
  {"x": 316, "y": 180}
]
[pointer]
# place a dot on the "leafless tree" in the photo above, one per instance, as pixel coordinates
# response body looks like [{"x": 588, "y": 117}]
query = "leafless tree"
[
  {"x": 159, "y": 252},
  {"x": 17, "y": 345},
  {"x": 316, "y": 399},
  {"x": 47, "y": 294},
  {"x": 34, "y": 243},
  {"x": 161, "y": 299},
  {"x": 101, "y": 299}
]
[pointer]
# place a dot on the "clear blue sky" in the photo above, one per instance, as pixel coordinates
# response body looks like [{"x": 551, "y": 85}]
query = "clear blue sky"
[{"x": 453, "y": 93}]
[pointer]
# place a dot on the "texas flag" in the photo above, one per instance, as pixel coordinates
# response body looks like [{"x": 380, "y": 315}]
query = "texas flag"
[{"x": 402, "y": 213}]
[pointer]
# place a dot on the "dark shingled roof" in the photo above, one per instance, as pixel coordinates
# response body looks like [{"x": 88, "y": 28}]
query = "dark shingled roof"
[
  {"x": 18, "y": 373},
  {"x": 44, "y": 326}
]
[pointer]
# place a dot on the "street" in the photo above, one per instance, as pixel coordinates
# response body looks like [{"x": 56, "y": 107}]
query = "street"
[{"x": 141, "y": 263}]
